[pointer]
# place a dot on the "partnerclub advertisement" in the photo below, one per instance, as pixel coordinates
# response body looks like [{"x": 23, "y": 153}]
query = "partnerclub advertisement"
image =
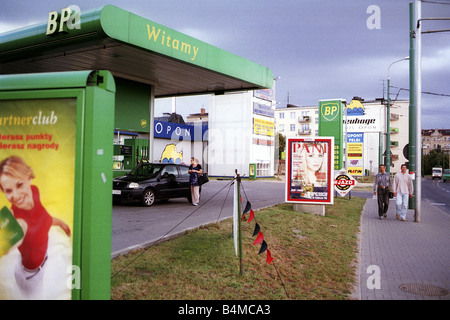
[{"x": 37, "y": 180}]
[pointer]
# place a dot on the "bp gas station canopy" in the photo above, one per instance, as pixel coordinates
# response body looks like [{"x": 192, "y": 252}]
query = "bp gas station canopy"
[{"x": 133, "y": 48}]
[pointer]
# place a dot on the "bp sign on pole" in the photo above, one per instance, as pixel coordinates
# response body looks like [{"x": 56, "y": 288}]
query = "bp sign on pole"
[
  {"x": 56, "y": 133},
  {"x": 343, "y": 182},
  {"x": 331, "y": 125}
]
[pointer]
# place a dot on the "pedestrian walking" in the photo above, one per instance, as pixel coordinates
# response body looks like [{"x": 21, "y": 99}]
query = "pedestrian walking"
[
  {"x": 381, "y": 187},
  {"x": 402, "y": 187},
  {"x": 194, "y": 170}
]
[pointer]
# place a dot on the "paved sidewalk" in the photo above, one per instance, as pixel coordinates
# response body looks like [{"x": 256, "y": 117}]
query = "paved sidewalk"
[{"x": 409, "y": 260}]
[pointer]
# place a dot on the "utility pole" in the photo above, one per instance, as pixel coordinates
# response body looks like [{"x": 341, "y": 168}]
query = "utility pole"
[
  {"x": 388, "y": 119},
  {"x": 418, "y": 113},
  {"x": 412, "y": 101}
]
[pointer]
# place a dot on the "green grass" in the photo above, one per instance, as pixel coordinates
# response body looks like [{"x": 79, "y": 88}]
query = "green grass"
[{"x": 314, "y": 259}]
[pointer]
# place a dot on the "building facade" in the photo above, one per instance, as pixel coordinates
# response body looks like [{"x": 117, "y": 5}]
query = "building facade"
[
  {"x": 294, "y": 121},
  {"x": 241, "y": 132},
  {"x": 435, "y": 139}
]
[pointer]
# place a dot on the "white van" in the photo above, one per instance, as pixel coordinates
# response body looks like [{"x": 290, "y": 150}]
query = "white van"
[{"x": 436, "y": 173}]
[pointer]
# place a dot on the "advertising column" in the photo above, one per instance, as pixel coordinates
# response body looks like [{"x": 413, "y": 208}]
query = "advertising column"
[{"x": 309, "y": 170}]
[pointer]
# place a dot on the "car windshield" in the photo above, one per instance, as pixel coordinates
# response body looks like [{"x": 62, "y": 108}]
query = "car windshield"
[
  {"x": 447, "y": 171},
  {"x": 146, "y": 170}
]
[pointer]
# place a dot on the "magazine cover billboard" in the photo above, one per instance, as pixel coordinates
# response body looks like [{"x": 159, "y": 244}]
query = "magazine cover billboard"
[
  {"x": 309, "y": 170},
  {"x": 37, "y": 181}
]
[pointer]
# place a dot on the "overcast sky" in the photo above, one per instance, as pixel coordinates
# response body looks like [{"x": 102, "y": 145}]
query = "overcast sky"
[{"x": 320, "y": 49}]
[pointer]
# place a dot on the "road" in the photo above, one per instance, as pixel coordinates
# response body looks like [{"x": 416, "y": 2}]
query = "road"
[
  {"x": 134, "y": 226},
  {"x": 437, "y": 193}
]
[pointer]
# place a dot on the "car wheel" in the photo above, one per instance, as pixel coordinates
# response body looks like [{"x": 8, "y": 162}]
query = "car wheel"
[{"x": 148, "y": 197}]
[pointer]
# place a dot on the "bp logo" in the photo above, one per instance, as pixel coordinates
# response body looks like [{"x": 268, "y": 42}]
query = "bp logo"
[
  {"x": 343, "y": 183},
  {"x": 143, "y": 123},
  {"x": 329, "y": 111}
]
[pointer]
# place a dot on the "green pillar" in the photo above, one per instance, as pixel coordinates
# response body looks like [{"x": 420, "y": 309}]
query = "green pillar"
[{"x": 412, "y": 100}]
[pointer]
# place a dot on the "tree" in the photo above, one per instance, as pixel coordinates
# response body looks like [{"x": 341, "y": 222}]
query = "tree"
[
  {"x": 436, "y": 158},
  {"x": 281, "y": 144}
]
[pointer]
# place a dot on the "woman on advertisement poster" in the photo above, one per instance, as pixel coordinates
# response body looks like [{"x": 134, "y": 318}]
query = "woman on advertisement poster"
[
  {"x": 309, "y": 171},
  {"x": 16, "y": 184}
]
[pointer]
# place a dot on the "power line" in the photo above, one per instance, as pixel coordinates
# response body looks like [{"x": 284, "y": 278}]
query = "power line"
[
  {"x": 436, "y": 2},
  {"x": 425, "y": 92}
]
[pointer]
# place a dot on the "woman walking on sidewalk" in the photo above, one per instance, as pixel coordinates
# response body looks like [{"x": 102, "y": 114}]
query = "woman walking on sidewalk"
[
  {"x": 381, "y": 187},
  {"x": 403, "y": 186}
]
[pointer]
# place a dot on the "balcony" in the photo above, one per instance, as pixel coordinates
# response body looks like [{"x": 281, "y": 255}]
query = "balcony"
[
  {"x": 304, "y": 132},
  {"x": 303, "y": 119},
  {"x": 394, "y": 143},
  {"x": 393, "y": 130}
]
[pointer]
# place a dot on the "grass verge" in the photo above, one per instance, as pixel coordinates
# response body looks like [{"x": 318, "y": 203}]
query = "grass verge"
[{"x": 314, "y": 259}]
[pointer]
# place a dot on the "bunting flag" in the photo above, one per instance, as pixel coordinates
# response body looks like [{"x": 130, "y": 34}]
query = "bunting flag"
[
  {"x": 251, "y": 215},
  {"x": 263, "y": 247},
  {"x": 259, "y": 238},
  {"x": 248, "y": 206},
  {"x": 269, "y": 258},
  {"x": 257, "y": 229}
]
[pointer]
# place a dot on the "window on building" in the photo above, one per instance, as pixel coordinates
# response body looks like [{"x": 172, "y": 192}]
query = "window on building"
[
  {"x": 292, "y": 114},
  {"x": 292, "y": 127},
  {"x": 281, "y": 115},
  {"x": 281, "y": 128}
]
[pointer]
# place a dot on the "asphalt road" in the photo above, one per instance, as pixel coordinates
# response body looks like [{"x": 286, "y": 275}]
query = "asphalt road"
[
  {"x": 437, "y": 193},
  {"x": 134, "y": 226}
]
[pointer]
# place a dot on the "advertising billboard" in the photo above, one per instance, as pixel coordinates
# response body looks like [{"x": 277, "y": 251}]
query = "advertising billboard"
[
  {"x": 309, "y": 170},
  {"x": 37, "y": 178},
  {"x": 56, "y": 131}
]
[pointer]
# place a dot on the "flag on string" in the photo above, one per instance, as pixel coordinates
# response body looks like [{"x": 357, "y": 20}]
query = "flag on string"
[
  {"x": 257, "y": 229},
  {"x": 269, "y": 258},
  {"x": 259, "y": 238},
  {"x": 251, "y": 215},
  {"x": 263, "y": 247},
  {"x": 248, "y": 206}
]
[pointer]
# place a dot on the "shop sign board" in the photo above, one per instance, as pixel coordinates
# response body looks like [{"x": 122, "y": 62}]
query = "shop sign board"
[
  {"x": 330, "y": 124},
  {"x": 263, "y": 127},
  {"x": 309, "y": 170},
  {"x": 343, "y": 182},
  {"x": 56, "y": 185},
  {"x": 355, "y": 151}
]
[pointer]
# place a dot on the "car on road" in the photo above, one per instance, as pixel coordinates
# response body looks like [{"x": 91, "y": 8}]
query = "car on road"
[
  {"x": 149, "y": 182},
  {"x": 446, "y": 175},
  {"x": 436, "y": 173}
]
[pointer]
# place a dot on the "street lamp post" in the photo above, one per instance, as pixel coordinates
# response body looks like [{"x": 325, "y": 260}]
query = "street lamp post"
[{"x": 388, "y": 119}]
